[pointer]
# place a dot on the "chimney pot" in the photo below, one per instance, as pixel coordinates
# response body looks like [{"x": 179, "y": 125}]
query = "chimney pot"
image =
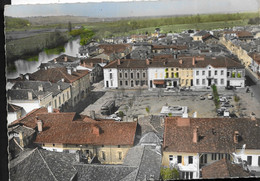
[
  {"x": 236, "y": 134},
  {"x": 39, "y": 125},
  {"x": 147, "y": 62},
  {"x": 180, "y": 61},
  {"x": 65, "y": 59},
  {"x": 193, "y": 61},
  {"x": 118, "y": 62},
  {"x": 69, "y": 71},
  {"x": 92, "y": 115},
  {"x": 195, "y": 135}
]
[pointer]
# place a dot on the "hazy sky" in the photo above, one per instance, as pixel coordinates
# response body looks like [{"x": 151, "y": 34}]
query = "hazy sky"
[{"x": 126, "y": 9}]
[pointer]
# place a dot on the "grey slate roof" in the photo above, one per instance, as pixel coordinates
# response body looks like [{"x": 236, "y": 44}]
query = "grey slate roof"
[
  {"x": 22, "y": 94},
  {"x": 47, "y": 86},
  {"x": 201, "y": 33},
  {"x": 105, "y": 172},
  {"x": 43, "y": 165},
  {"x": 150, "y": 138},
  {"x": 147, "y": 160},
  {"x": 17, "y": 129}
]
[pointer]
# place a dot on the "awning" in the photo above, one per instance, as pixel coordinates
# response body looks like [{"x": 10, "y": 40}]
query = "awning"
[{"x": 160, "y": 82}]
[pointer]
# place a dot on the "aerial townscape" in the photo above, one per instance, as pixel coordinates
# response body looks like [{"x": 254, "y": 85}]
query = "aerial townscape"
[{"x": 140, "y": 107}]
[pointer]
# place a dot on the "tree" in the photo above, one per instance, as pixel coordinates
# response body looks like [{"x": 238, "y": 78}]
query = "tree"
[
  {"x": 147, "y": 109},
  {"x": 69, "y": 26},
  {"x": 168, "y": 173}
]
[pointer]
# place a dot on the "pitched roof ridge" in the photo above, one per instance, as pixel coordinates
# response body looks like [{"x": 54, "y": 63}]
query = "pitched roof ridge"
[
  {"x": 18, "y": 144},
  {"x": 47, "y": 165},
  {"x": 143, "y": 149},
  {"x": 65, "y": 75},
  {"x": 22, "y": 158}
]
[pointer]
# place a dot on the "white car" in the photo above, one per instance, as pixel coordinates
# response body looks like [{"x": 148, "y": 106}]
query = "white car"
[
  {"x": 115, "y": 117},
  {"x": 210, "y": 97}
]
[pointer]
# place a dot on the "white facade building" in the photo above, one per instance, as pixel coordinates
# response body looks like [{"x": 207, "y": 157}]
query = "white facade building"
[
  {"x": 110, "y": 78},
  {"x": 157, "y": 73},
  {"x": 203, "y": 77}
]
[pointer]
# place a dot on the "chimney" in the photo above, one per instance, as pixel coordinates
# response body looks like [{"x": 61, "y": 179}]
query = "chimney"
[
  {"x": 69, "y": 71},
  {"x": 62, "y": 80},
  {"x": 40, "y": 88},
  {"x": 65, "y": 59},
  {"x": 195, "y": 135},
  {"x": 39, "y": 125},
  {"x": 118, "y": 62},
  {"x": 175, "y": 56},
  {"x": 84, "y": 64},
  {"x": 180, "y": 61},
  {"x": 92, "y": 115},
  {"x": 58, "y": 87},
  {"x": 236, "y": 135},
  {"x": 55, "y": 60},
  {"x": 30, "y": 97},
  {"x": 193, "y": 61},
  {"x": 96, "y": 130},
  {"x": 147, "y": 62},
  {"x": 21, "y": 138},
  {"x": 50, "y": 109},
  {"x": 74, "y": 69}
]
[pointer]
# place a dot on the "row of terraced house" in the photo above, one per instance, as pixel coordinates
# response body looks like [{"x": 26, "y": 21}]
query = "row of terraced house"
[{"x": 184, "y": 71}]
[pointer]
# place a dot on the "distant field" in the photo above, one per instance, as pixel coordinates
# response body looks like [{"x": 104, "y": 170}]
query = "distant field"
[{"x": 181, "y": 27}]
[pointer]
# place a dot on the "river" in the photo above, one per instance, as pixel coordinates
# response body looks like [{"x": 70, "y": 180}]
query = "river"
[{"x": 24, "y": 66}]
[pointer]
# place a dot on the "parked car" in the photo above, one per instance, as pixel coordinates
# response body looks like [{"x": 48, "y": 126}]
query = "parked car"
[
  {"x": 210, "y": 97},
  {"x": 115, "y": 117},
  {"x": 230, "y": 87},
  {"x": 223, "y": 99},
  {"x": 202, "y": 98},
  {"x": 226, "y": 104}
]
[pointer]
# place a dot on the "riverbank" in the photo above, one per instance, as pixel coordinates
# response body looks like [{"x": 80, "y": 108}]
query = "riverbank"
[{"x": 31, "y": 46}]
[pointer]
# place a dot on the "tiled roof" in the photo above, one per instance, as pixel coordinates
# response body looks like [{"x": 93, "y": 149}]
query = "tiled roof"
[
  {"x": 201, "y": 33},
  {"x": 255, "y": 57},
  {"x": 29, "y": 119},
  {"x": 61, "y": 58},
  {"x": 43, "y": 165},
  {"x": 174, "y": 47},
  {"x": 60, "y": 129},
  {"x": 22, "y": 94},
  {"x": 113, "y": 48},
  {"x": 56, "y": 74},
  {"x": 215, "y": 135},
  {"x": 93, "y": 60},
  {"x": 242, "y": 34},
  {"x": 147, "y": 160},
  {"x": 13, "y": 108},
  {"x": 18, "y": 128},
  {"x": 46, "y": 85},
  {"x": 181, "y": 62},
  {"x": 223, "y": 169},
  {"x": 105, "y": 172}
]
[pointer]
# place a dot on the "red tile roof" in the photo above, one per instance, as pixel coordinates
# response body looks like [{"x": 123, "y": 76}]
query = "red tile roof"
[
  {"x": 255, "y": 57},
  {"x": 216, "y": 135},
  {"x": 223, "y": 169},
  {"x": 87, "y": 132},
  {"x": 56, "y": 74}
]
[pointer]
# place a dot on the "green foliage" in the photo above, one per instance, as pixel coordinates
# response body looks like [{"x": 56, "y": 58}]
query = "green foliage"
[
  {"x": 236, "y": 98},
  {"x": 121, "y": 114},
  {"x": 238, "y": 75},
  {"x": 254, "y": 21},
  {"x": 170, "y": 114},
  {"x": 147, "y": 109},
  {"x": 16, "y": 23},
  {"x": 168, "y": 174},
  {"x": 56, "y": 50},
  {"x": 233, "y": 75},
  {"x": 215, "y": 95},
  {"x": 86, "y": 36},
  {"x": 32, "y": 58},
  {"x": 69, "y": 27}
]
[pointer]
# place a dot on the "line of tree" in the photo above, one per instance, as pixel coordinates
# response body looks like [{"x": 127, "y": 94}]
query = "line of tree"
[{"x": 16, "y": 23}]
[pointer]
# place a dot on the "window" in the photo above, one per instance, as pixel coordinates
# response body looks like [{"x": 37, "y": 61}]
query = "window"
[
  {"x": 213, "y": 156},
  {"x": 172, "y": 75},
  {"x": 125, "y": 75},
  {"x": 103, "y": 155},
  {"x": 111, "y": 83},
  {"x": 118, "y": 146},
  {"x": 120, "y": 155},
  {"x": 170, "y": 157},
  {"x": 209, "y": 73},
  {"x": 221, "y": 81},
  {"x": 187, "y": 81},
  {"x": 222, "y": 72},
  {"x": 197, "y": 72},
  {"x": 203, "y": 82},
  {"x": 102, "y": 145},
  {"x": 110, "y": 75},
  {"x": 167, "y": 75},
  {"x": 59, "y": 101},
  {"x": 190, "y": 159},
  {"x": 143, "y": 75},
  {"x": 228, "y": 74},
  {"x": 53, "y": 144},
  {"x": 126, "y": 82},
  {"x": 249, "y": 160},
  {"x": 132, "y": 83},
  {"x": 203, "y": 158},
  {"x": 216, "y": 81},
  {"x": 258, "y": 160},
  {"x": 137, "y": 82},
  {"x": 176, "y": 69},
  {"x": 203, "y": 72},
  {"x": 198, "y": 81},
  {"x": 179, "y": 159},
  {"x": 121, "y": 83},
  {"x": 120, "y": 75},
  {"x": 216, "y": 72},
  {"x": 44, "y": 145},
  {"x": 55, "y": 103},
  {"x": 172, "y": 69},
  {"x": 138, "y": 75},
  {"x": 132, "y": 75}
]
